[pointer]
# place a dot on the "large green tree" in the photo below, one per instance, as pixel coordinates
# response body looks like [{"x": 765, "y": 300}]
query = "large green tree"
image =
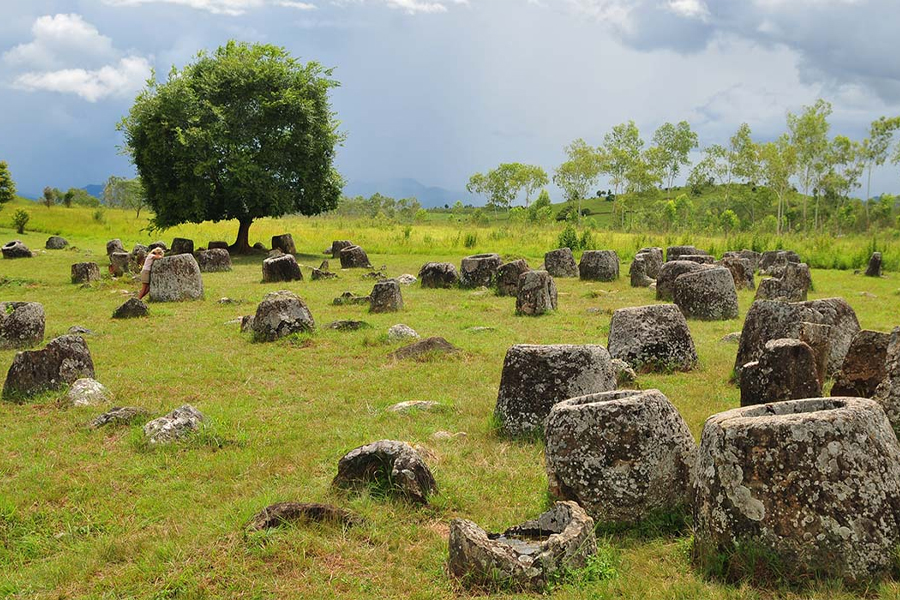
[
  {"x": 875, "y": 150},
  {"x": 779, "y": 163},
  {"x": 7, "y": 185},
  {"x": 242, "y": 133},
  {"x": 621, "y": 150}
]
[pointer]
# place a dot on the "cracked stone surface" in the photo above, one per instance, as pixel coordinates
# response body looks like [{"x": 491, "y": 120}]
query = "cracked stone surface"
[
  {"x": 175, "y": 278},
  {"x": 64, "y": 360},
  {"x": 652, "y": 338},
  {"x": 816, "y": 482},
  {"x": 479, "y": 270},
  {"x": 438, "y": 275},
  {"x": 525, "y": 557},
  {"x": 708, "y": 295},
  {"x": 174, "y": 426},
  {"x": 21, "y": 324},
  {"x": 389, "y": 462},
  {"x": 621, "y": 455},
  {"x": 281, "y": 313},
  {"x": 535, "y": 378}
]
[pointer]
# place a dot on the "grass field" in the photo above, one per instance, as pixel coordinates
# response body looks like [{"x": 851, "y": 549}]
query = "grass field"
[{"x": 96, "y": 514}]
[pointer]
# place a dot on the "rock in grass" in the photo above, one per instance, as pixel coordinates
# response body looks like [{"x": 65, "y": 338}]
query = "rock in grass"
[
  {"x": 54, "y": 242},
  {"x": 182, "y": 246},
  {"x": 874, "y": 267},
  {"x": 621, "y": 455},
  {"x": 792, "y": 284},
  {"x": 214, "y": 260},
  {"x": 131, "y": 309},
  {"x": 174, "y": 426},
  {"x": 114, "y": 246},
  {"x": 63, "y": 361},
  {"x": 669, "y": 272},
  {"x": 438, "y": 275},
  {"x": 349, "y": 299},
  {"x": 413, "y": 405},
  {"x": 285, "y": 243},
  {"x": 15, "y": 249},
  {"x": 348, "y": 325},
  {"x": 401, "y": 332},
  {"x": 85, "y": 272},
  {"x": 599, "y": 265},
  {"x": 120, "y": 415},
  {"x": 560, "y": 263},
  {"x": 864, "y": 367},
  {"x": 536, "y": 294},
  {"x": 119, "y": 263},
  {"x": 479, "y": 270},
  {"x": 354, "y": 257},
  {"x": 88, "y": 392},
  {"x": 21, "y": 324},
  {"x": 281, "y": 313},
  {"x": 175, "y": 278},
  {"x": 637, "y": 272},
  {"x": 508, "y": 277},
  {"x": 282, "y": 513},
  {"x": 708, "y": 295},
  {"x": 406, "y": 279},
  {"x": 653, "y": 260},
  {"x": 337, "y": 246},
  {"x": 281, "y": 268},
  {"x": 536, "y": 377},
  {"x": 386, "y": 297},
  {"x": 428, "y": 347},
  {"x": 676, "y": 252},
  {"x": 394, "y": 466},
  {"x": 527, "y": 557},
  {"x": 810, "y": 486},
  {"x": 785, "y": 371},
  {"x": 652, "y": 338}
]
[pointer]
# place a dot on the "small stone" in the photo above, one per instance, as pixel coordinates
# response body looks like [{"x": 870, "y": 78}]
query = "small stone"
[
  {"x": 227, "y": 300},
  {"x": 414, "y": 405},
  {"x": 88, "y": 392},
  {"x": 401, "y": 332},
  {"x": 625, "y": 375},
  {"x": 174, "y": 426},
  {"x": 284, "y": 513},
  {"x": 85, "y": 272},
  {"x": 349, "y": 298},
  {"x": 406, "y": 279},
  {"x": 874, "y": 267},
  {"x": 319, "y": 274},
  {"x": 387, "y": 461},
  {"x": 132, "y": 308},
  {"x": 120, "y": 415},
  {"x": 79, "y": 330},
  {"x": 348, "y": 325},
  {"x": 54, "y": 242},
  {"x": 424, "y": 348},
  {"x": 731, "y": 338}
]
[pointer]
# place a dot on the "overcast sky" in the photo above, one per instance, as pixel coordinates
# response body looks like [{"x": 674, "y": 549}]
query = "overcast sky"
[{"x": 438, "y": 89}]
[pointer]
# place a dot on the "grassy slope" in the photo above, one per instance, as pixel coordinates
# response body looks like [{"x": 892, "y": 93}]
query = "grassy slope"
[{"x": 94, "y": 514}]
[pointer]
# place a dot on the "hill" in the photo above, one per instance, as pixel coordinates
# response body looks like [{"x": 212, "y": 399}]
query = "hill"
[{"x": 428, "y": 196}]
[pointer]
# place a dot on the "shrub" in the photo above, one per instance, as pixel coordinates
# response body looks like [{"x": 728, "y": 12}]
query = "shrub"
[
  {"x": 470, "y": 240},
  {"x": 20, "y": 219},
  {"x": 100, "y": 215},
  {"x": 569, "y": 238}
]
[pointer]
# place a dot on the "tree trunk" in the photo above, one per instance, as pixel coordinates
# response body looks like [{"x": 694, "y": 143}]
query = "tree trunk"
[{"x": 242, "y": 244}]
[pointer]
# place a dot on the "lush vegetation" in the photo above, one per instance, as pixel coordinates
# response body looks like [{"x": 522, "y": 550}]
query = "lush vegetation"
[{"x": 243, "y": 133}]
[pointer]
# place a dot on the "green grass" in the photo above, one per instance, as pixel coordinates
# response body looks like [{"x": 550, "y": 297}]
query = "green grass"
[{"x": 96, "y": 514}]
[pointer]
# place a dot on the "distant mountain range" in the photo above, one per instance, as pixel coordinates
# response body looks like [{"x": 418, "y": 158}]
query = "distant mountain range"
[{"x": 428, "y": 196}]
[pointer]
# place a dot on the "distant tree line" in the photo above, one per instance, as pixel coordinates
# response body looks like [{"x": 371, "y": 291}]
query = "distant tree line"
[{"x": 805, "y": 180}]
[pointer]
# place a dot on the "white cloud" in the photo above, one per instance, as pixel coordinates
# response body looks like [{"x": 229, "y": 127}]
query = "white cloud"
[
  {"x": 58, "y": 39},
  {"x": 236, "y": 8},
  {"x": 692, "y": 9},
  {"x": 121, "y": 79},
  {"x": 68, "y": 55}
]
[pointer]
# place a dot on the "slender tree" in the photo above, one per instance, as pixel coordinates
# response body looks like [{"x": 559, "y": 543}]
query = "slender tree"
[
  {"x": 809, "y": 135},
  {"x": 621, "y": 149},
  {"x": 779, "y": 164},
  {"x": 675, "y": 143},
  {"x": 875, "y": 150},
  {"x": 580, "y": 171}
]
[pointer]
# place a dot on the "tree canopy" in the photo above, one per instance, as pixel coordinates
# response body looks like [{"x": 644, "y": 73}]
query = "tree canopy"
[
  {"x": 243, "y": 133},
  {"x": 7, "y": 185}
]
